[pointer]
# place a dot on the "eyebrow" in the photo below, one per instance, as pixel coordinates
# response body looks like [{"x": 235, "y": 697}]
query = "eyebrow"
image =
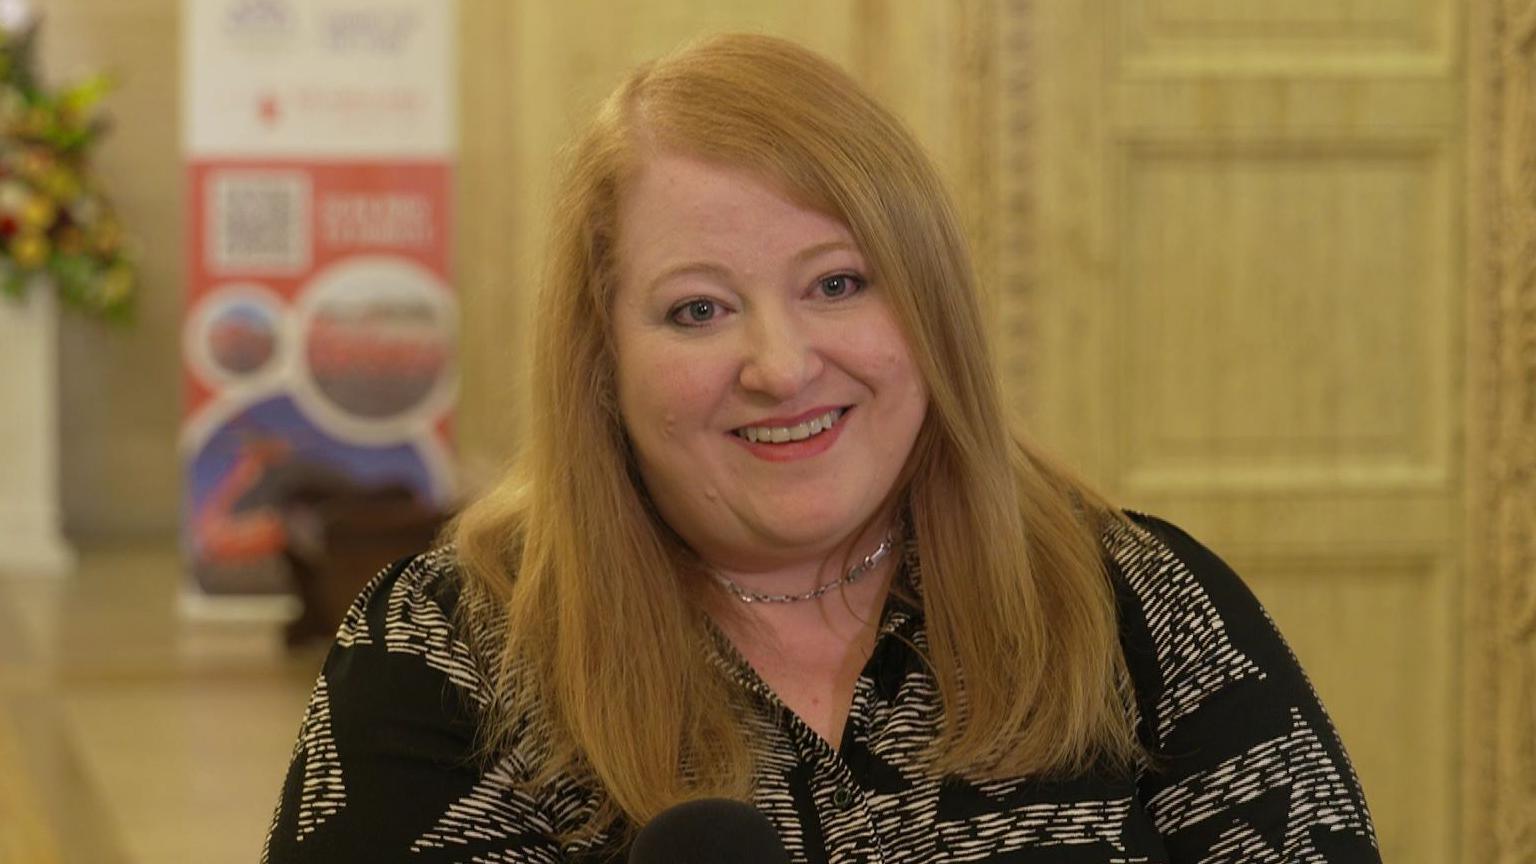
[
  {"x": 718, "y": 271},
  {"x": 699, "y": 268}
]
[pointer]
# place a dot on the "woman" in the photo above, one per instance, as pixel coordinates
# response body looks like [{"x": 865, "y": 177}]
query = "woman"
[{"x": 772, "y": 539}]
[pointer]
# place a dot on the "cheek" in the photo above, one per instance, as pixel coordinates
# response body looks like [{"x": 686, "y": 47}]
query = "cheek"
[
  {"x": 667, "y": 391},
  {"x": 887, "y": 361}
]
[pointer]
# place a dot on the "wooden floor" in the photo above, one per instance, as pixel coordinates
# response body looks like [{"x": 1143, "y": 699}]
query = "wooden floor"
[{"x": 131, "y": 734}]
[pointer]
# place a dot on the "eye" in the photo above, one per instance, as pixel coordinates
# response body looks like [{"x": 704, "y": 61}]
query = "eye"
[
  {"x": 840, "y": 285},
  {"x": 695, "y": 312}
]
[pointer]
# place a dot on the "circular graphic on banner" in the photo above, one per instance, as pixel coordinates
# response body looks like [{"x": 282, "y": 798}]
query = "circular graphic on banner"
[
  {"x": 235, "y": 336},
  {"x": 242, "y": 339},
  {"x": 376, "y": 348}
]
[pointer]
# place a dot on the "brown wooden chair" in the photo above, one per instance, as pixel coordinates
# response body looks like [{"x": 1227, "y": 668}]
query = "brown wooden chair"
[{"x": 338, "y": 542}]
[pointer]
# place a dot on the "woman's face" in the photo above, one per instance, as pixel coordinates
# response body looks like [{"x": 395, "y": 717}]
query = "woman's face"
[{"x": 763, "y": 378}]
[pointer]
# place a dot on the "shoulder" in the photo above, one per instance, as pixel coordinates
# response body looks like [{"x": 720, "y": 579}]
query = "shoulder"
[
  {"x": 1163, "y": 571},
  {"x": 1190, "y": 627},
  {"x": 1149, "y": 553},
  {"x": 388, "y": 761},
  {"x": 387, "y": 740},
  {"x": 429, "y": 578},
  {"x": 1168, "y": 577},
  {"x": 408, "y": 616},
  {"x": 1227, "y": 712}
]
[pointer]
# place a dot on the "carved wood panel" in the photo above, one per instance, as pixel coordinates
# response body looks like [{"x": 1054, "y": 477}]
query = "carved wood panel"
[
  {"x": 1323, "y": 366},
  {"x": 1007, "y": 259},
  {"x": 1500, "y": 734},
  {"x": 1297, "y": 37}
]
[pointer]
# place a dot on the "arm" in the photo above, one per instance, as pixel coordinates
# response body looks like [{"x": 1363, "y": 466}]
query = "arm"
[
  {"x": 1248, "y": 767},
  {"x": 385, "y": 766}
]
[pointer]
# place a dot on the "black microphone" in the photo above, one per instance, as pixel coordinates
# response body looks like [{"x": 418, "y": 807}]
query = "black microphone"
[{"x": 708, "y": 831}]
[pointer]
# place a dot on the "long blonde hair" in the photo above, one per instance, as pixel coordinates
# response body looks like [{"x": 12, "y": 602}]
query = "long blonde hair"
[{"x": 594, "y": 611}]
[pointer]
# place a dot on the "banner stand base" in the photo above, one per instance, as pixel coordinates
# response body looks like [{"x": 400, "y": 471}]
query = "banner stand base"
[{"x": 197, "y": 606}]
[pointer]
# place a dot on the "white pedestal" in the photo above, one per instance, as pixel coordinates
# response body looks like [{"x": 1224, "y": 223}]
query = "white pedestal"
[{"x": 31, "y": 536}]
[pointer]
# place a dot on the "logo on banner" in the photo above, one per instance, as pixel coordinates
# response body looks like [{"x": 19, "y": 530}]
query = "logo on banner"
[
  {"x": 259, "y": 24},
  {"x": 372, "y": 30}
]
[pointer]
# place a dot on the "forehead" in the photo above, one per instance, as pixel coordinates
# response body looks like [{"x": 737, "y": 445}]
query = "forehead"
[{"x": 677, "y": 205}]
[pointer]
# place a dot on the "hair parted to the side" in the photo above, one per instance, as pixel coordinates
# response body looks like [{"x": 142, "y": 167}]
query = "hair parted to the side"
[{"x": 591, "y": 605}]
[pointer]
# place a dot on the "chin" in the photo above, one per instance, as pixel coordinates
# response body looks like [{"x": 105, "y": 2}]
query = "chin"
[{"x": 812, "y": 531}]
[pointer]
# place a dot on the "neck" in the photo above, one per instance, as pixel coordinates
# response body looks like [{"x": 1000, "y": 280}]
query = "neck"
[
  {"x": 776, "y": 569},
  {"x": 845, "y": 613}
]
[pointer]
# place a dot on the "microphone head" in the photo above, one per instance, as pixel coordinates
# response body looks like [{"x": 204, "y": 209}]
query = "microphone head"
[{"x": 708, "y": 831}]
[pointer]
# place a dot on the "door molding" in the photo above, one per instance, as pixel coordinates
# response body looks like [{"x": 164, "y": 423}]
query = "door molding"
[{"x": 1499, "y": 734}]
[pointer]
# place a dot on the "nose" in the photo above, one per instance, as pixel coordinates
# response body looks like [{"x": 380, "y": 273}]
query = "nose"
[{"x": 781, "y": 357}]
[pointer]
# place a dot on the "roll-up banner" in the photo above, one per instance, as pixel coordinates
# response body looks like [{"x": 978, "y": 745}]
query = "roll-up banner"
[{"x": 320, "y": 322}]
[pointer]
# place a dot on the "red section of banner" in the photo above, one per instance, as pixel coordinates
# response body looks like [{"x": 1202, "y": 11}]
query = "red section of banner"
[{"x": 293, "y": 219}]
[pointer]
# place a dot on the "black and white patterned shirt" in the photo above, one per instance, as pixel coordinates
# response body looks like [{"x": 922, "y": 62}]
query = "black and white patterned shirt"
[{"x": 1247, "y": 769}]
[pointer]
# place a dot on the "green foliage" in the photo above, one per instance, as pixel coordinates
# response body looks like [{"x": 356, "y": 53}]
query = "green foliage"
[{"x": 55, "y": 221}]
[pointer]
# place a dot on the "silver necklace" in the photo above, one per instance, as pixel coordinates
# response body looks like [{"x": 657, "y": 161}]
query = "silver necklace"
[{"x": 853, "y": 575}]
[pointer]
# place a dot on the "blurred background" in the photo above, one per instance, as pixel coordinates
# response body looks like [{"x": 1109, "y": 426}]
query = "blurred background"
[{"x": 1267, "y": 269}]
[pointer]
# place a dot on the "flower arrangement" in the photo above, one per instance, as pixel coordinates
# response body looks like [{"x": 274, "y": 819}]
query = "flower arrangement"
[{"x": 55, "y": 222}]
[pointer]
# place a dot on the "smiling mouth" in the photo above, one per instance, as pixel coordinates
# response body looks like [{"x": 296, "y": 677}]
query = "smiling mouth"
[{"x": 789, "y": 434}]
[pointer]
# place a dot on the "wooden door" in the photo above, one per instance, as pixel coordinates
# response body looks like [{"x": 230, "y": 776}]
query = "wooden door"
[{"x": 1237, "y": 300}]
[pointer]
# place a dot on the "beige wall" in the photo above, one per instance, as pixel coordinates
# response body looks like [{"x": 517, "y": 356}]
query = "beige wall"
[{"x": 121, "y": 390}]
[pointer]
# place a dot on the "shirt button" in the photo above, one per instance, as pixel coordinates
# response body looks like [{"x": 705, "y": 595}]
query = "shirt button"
[{"x": 842, "y": 798}]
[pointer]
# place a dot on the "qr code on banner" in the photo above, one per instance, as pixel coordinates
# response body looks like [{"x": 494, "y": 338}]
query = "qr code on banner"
[{"x": 258, "y": 220}]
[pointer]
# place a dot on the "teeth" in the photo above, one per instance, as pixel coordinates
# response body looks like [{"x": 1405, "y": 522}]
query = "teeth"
[{"x": 784, "y": 434}]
